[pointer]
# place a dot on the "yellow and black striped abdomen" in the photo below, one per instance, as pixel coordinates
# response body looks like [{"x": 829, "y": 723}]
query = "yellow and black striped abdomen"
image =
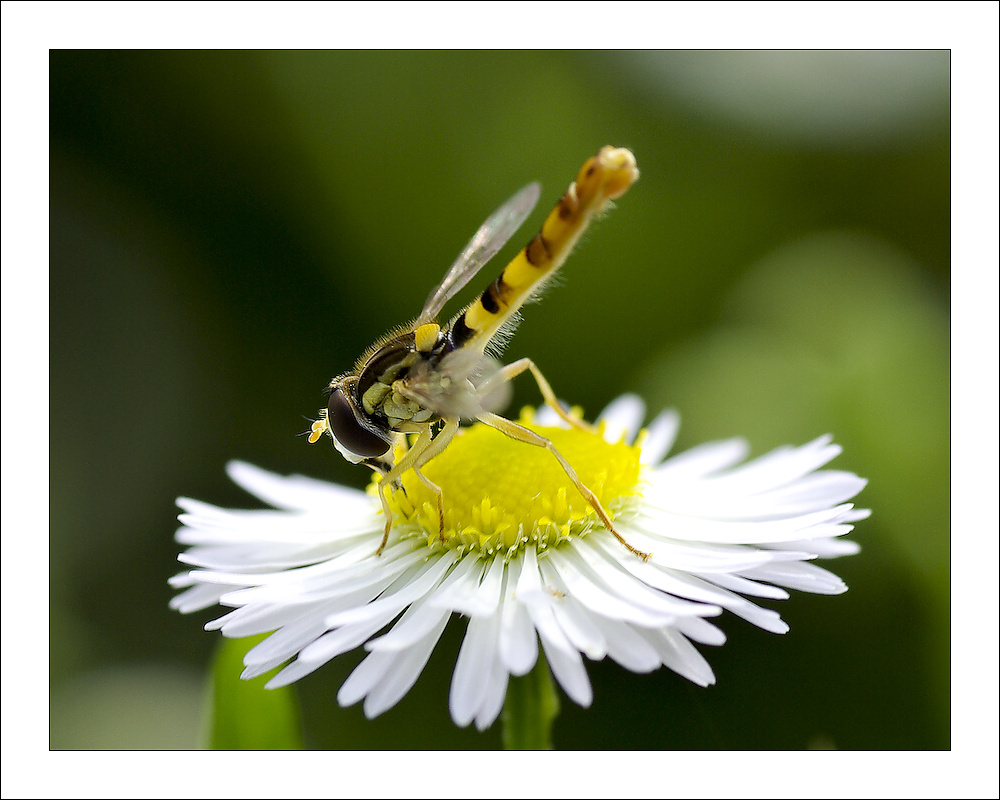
[{"x": 606, "y": 176}]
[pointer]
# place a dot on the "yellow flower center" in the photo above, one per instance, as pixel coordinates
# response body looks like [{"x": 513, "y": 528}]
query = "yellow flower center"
[{"x": 501, "y": 494}]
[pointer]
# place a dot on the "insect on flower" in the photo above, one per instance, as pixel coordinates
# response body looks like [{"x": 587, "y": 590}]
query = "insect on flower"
[{"x": 406, "y": 397}]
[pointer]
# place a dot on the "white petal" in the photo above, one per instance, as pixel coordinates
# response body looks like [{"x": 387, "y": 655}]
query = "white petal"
[
  {"x": 660, "y": 437},
  {"x": 404, "y": 669},
  {"x": 493, "y": 697},
  {"x": 779, "y": 467},
  {"x": 692, "y": 554},
  {"x": 483, "y": 600},
  {"x": 713, "y": 499},
  {"x": 475, "y": 660},
  {"x": 256, "y": 618},
  {"x": 593, "y": 593},
  {"x": 459, "y": 588},
  {"x": 685, "y": 585},
  {"x": 196, "y": 598},
  {"x": 206, "y": 524},
  {"x": 856, "y": 514},
  {"x": 816, "y": 525},
  {"x": 538, "y": 603},
  {"x": 342, "y": 640},
  {"x": 816, "y": 491},
  {"x": 703, "y": 460},
  {"x": 680, "y": 655},
  {"x": 568, "y": 670},
  {"x": 529, "y": 582},
  {"x": 822, "y": 548},
  {"x": 547, "y": 417},
  {"x": 577, "y": 623},
  {"x": 349, "y": 564},
  {"x": 622, "y": 418},
  {"x": 610, "y": 576},
  {"x": 746, "y": 586},
  {"x": 417, "y": 621},
  {"x": 262, "y": 558},
  {"x": 364, "y": 677},
  {"x": 419, "y": 581},
  {"x": 626, "y": 647},
  {"x": 801, "y": 576},
  {"x": 293, "y": 672},
  {"x": 323, "y": 580},
  {"x": 283, "y": 644},
  {"x": 260, "y": 618},
  {"x": 415, "y": 644},
  {"x": 518, "y": 642},
  {"x": 293, "y": 492},
  {"x": 688, "y": 601},
  {"x": 701, "y": 631}
]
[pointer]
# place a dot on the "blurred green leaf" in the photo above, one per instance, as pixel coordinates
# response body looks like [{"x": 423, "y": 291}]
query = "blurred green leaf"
[{"x": 243, "y": 714}]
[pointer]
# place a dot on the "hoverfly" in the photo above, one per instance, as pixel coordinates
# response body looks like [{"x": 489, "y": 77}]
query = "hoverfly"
[{"x": 424, "y": 378}]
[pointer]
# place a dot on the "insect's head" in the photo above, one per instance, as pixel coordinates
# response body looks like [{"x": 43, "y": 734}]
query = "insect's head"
[{"x": 354, "y": 434}]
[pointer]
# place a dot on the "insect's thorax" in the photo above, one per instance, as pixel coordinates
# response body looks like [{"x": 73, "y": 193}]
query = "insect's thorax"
[{"x": 380, "y": 389}]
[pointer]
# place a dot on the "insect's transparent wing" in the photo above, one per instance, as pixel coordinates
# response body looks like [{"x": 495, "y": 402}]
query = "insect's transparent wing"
[
  {"x": 487, "y": 241},
  {"x": 464, "y": 384}
]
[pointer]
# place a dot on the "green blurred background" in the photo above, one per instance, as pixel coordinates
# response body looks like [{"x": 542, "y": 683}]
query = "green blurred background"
[{"x": 230, "y": 229}]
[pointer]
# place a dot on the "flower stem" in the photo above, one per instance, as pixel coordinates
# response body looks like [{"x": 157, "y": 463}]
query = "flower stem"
[{"x": 530, "y": 709}]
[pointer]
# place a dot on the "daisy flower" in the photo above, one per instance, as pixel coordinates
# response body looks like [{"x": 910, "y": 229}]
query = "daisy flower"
[{"x": 523, "y": 556}]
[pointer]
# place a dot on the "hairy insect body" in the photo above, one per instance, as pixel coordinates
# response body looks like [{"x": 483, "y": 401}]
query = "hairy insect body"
[{"x": 426, "y": 378}]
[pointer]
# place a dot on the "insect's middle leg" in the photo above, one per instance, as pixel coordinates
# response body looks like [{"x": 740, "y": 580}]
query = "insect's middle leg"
[
  {"x": 438, "y": 494},
  {"x": 511, "y": 371},
  {"x": 434, "y": 449},
  {"x": 522, "y": 434}
]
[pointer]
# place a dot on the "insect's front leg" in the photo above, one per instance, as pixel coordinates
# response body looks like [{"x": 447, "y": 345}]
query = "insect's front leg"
[
  {"x": 390, "y": 479},
  {"x": 426, "y": 447},
  {"x": 511, "y": 371}
]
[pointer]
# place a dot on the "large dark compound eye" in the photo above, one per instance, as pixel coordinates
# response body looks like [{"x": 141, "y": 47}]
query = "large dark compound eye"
[{"x": 350, "y": 433}]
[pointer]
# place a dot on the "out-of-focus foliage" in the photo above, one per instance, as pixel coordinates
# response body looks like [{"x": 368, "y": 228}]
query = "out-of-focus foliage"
[
  {"x": 231, "y": 229},
  {"x": 243, "y": 715}
]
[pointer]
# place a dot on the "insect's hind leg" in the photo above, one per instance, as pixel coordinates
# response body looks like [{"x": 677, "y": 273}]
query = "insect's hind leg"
[
  {"x": 522, "y": 434},
  {"x": 511, "y": 371}
]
